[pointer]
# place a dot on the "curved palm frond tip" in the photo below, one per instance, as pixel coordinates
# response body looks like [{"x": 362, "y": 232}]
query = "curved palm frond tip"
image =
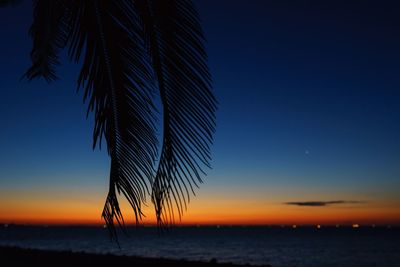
[{"x": 131, "y": 51}]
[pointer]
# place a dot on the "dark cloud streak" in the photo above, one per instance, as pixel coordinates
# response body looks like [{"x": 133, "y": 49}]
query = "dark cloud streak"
[{"x": 321, "y": 203}]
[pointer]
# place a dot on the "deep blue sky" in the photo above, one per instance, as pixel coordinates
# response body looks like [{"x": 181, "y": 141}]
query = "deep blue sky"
[
  {"x": 291, "y": 79},
  {"x": 309, "y": 104}
]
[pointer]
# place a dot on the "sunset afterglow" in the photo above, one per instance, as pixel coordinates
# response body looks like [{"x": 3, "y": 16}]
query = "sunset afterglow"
[
  {"x": 209, "y": 208},
  {"x": 307, "y": 125}
]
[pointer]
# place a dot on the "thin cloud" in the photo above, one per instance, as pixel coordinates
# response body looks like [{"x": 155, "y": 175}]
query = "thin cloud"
[{"x": 321, "y": 203}]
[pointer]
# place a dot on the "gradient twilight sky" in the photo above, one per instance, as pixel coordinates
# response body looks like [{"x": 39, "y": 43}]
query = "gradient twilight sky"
[{"x": 309, "y": 111}]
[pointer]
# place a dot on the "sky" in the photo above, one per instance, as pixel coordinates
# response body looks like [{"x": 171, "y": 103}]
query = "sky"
[{"x": 307, "y": 125}]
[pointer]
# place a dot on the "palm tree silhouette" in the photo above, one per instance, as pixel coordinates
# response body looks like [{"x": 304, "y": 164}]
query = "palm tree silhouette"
[{"x": 132, "y": 51}]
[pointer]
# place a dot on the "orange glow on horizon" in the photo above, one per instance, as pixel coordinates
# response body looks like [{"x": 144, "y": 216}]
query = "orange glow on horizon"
[{"x": 80, "y": 207}]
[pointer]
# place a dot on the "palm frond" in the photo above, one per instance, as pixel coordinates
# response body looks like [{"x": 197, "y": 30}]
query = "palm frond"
[
  {"x": 127, "y": 48},
  {"x": 49, "y": 32},
  {"x": 117, "y": 80},
  {"x": 175, "y": 41}
]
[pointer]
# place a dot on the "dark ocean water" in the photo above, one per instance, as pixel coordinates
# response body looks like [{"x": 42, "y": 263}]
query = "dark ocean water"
[{"x": 279, "y": 247}]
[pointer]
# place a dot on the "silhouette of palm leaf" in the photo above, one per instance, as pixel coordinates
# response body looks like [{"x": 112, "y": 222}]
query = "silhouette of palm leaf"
[
  {"x": 118, "y": 82},
  {"x": 175, "y": 41},
  {"x": 128, "y": 49},
  {"x": 49, "y": 31}
]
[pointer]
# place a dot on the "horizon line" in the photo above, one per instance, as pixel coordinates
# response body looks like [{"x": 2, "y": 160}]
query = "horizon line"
[{"x": 131, "y": 225}]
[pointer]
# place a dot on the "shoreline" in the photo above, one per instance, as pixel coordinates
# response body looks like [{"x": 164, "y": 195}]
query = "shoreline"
[{"x": 17, "y": 256}]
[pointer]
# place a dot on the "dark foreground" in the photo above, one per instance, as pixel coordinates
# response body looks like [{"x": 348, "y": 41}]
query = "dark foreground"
[{"x": 13, "y": 256}]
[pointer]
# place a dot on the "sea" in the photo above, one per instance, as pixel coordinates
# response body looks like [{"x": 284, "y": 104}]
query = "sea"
[{"x": 274, "y": 246}]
